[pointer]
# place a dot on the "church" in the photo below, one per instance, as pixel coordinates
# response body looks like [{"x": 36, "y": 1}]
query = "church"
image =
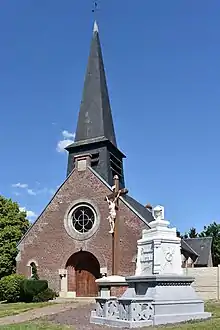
[{"x": 70, "y": 242}]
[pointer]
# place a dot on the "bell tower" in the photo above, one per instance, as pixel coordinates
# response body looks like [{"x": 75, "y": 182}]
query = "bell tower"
[{"x": 95, "y": 132}]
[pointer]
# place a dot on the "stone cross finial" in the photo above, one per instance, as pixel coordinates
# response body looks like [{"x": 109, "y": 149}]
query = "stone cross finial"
[{"x": 158, "y": 213}]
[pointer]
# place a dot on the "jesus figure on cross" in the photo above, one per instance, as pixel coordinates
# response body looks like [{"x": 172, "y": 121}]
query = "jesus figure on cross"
[
  {"x": 113, "y": 218},
  {"x": 112, "y": 212}
]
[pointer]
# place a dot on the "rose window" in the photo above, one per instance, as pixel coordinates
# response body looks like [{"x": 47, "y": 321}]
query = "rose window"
[{"x": 83, "y": 219}]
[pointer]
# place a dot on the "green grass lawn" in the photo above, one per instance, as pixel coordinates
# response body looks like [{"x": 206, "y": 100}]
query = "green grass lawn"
[
  {"x": 213, "y": 323},
  {"x": 35, "y": 326},
  {"x": 17, "y": 308}
]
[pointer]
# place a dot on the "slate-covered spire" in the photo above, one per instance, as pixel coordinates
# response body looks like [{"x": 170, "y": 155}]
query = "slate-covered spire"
[
  {"x": 95, "y": 134},
  {"x": 95, "y": 117}
]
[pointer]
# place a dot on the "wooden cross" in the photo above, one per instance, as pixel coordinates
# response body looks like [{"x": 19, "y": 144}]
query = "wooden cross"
[{"x": 115, "y": 236}]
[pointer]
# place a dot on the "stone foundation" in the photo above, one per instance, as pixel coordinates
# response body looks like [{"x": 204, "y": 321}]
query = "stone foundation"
[
  {"x": 151, "y": 301},
  {"x": 159, "y": 293}
]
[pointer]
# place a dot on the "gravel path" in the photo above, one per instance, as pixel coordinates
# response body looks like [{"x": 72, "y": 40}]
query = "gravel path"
[
  {"x": 79, "y": 318},
  {"x": 38, "y": 313}
]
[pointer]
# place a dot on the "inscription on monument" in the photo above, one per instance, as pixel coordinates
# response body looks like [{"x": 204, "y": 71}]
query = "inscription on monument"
[
  {"x": 146, "y": 258},
  {"x": 146, "y": 254}
]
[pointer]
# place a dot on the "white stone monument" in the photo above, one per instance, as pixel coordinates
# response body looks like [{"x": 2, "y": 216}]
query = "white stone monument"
[
  {"x": 158, "y": 293},
  {"x": 159, "y": 248}
]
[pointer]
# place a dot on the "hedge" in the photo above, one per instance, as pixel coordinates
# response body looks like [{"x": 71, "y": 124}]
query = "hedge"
[
  {"x": 45, "y": 295},
  {"x": 10, "y": 288},
  {"x": 31, "y": 288},
  {"x": 15, "y": 288}
]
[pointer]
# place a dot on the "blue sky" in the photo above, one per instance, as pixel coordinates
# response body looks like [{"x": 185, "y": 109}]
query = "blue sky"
[{"x": 162, "y": 66}]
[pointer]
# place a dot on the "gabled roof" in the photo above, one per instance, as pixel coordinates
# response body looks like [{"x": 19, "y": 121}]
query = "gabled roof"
[
  {"x": 202, "y": 246},
  {"x": 143, "y": 213},
  {"x": 185, "y": 246},
  {"x": 140, "y": 208}
]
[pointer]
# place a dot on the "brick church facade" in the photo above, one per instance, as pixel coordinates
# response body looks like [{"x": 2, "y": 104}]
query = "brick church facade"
[{"x": 70, "y": 239}]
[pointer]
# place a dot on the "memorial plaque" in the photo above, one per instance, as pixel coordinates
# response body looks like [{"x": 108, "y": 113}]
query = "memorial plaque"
[{"x": 146, "y": 259}]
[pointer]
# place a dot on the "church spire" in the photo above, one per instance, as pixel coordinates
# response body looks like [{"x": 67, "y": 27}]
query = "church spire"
[
  {"x": 95, "y": 134},
  {"x": 95, "y": 117}
]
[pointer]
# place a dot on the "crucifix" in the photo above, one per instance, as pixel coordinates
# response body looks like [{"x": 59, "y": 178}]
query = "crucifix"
[{"x": 113, "y": 218}]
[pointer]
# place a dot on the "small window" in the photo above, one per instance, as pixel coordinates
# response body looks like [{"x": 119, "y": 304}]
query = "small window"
[{"x": 34, "y": 274}]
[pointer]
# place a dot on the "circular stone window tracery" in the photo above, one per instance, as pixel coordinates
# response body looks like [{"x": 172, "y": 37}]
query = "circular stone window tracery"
[{"x": 82, "y": 220}]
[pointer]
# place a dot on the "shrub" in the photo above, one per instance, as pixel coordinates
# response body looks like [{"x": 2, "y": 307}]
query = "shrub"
[
  {"x": 45, "y": 295},
  {"x": 31, "y": 288},
  {"x": 10, "y": 287}
]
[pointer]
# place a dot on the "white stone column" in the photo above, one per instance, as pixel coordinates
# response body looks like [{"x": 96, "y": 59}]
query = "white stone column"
[{"x": 63, "y": 282}]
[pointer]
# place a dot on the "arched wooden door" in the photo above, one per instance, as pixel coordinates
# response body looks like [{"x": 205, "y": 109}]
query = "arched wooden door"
[
  {"x": 85, "y": 284},
  {"x": 87, "y": 270}
]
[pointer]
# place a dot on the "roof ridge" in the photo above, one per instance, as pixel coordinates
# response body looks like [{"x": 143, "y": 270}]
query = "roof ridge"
[
  {"x": 205, "y": 237},
  {"x": 190, "y": 247}
]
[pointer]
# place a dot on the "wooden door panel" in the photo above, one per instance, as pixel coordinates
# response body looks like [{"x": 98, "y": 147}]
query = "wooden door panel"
[
  {"x": 87, "y": 270},
  {"x": 85, "y": 284}
]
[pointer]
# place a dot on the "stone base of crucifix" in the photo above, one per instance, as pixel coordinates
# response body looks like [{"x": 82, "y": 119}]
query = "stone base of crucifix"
[{"x": 158, "y": 293}]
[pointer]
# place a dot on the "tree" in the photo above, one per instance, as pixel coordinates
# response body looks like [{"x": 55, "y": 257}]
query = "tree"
[
  {"x": 13, "y": 225},
  {"x": 192, "y": 233},
  {"x": 213, "y": 230}
]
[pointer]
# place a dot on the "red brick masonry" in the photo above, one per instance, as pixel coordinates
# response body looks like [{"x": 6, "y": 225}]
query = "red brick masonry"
[
  {"x": 48, "y": 243},
  {"x": 118, "y": 291}
]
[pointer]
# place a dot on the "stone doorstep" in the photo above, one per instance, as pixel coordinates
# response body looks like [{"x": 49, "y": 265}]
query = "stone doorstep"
[{"x": 60, "y": 300}]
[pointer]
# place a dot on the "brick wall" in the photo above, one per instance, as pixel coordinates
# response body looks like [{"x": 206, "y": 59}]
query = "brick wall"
[
  {"x": 48, "y": 243},
  {"x": 117, "y": 291},
  {"x": 207, "y": 281}
]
